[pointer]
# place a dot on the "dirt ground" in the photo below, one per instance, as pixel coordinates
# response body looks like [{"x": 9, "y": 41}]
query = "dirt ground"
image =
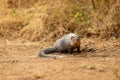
[{"x": 18, "y": 61}]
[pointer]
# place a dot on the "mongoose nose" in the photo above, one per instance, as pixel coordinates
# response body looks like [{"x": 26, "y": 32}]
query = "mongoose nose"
[{"x": 77, "y": 39}]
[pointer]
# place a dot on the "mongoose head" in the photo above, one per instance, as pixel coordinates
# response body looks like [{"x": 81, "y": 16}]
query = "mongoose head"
[{"x": 75, "y": 41}]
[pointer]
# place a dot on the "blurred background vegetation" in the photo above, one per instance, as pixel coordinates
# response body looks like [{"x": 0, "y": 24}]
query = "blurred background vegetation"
[{"x": 38, "y": 20}]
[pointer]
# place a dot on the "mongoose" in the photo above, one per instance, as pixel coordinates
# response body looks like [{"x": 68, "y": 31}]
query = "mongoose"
[{"x": 67, "y": 43}]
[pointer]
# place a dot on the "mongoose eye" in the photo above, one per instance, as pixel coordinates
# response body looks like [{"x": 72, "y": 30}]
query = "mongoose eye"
[{"x": 72, "y": 38}]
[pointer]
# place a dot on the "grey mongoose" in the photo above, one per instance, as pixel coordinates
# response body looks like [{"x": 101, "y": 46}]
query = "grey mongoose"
[{"x": 67, "y": 43}]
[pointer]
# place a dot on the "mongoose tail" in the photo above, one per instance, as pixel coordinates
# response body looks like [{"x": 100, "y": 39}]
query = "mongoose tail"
[{"x": 45, "y": 53}]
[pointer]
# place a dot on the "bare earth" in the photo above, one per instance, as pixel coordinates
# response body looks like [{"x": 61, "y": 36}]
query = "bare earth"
[{"x": 19, "y": 62}]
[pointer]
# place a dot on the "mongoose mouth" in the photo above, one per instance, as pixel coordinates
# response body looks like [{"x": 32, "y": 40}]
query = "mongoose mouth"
[{"x": 75, "y": 44}]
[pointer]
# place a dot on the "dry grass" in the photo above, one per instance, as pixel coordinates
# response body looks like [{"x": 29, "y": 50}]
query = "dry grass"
[
  {"x": 19, "y": 3},
  {"x": 41, "y": 20}
]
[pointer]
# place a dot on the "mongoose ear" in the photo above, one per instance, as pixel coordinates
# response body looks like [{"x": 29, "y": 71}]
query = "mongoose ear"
[{"x": 72, "y": 37}]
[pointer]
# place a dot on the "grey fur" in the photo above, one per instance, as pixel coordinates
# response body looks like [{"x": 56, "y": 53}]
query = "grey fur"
[{"x": 61, "y": 45}]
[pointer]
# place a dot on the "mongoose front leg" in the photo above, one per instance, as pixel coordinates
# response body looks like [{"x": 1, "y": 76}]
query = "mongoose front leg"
[
  {"x": 78, "y": 49},
  {"x": 71, "y": 50}
]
